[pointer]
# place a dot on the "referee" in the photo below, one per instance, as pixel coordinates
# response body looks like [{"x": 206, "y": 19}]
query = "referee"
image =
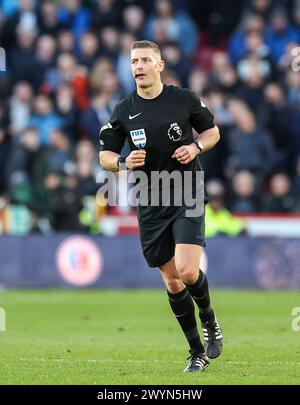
[{"x": 157, "y": 120}]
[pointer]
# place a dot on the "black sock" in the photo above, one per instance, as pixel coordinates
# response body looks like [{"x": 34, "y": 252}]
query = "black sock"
[
  {"x": 183, "y": 308},
  {"x": 200, "y": 293}
]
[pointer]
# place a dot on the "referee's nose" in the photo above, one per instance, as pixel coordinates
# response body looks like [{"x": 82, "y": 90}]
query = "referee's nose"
[{"x": 139, "y": 64}]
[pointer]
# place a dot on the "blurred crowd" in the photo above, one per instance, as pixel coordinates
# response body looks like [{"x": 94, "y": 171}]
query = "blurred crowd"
[{"x": 68, "y": 63}]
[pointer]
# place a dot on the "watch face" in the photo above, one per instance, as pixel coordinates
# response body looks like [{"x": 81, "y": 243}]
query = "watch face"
[{"x": 200, "y": 146}]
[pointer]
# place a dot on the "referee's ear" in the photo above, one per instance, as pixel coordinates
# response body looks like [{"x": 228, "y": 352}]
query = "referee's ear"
[{"x": 161, "y": 65}]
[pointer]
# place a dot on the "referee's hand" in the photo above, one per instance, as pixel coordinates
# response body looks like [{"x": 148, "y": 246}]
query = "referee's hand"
[
  {"x": 136, "y": 159},
  {"x": 185, "y": 154}
]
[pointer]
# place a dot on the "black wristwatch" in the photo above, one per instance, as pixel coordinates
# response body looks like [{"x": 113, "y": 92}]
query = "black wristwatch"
[
  {"x": 199, "y": 145},
  {"x": 122, "y": 163}
]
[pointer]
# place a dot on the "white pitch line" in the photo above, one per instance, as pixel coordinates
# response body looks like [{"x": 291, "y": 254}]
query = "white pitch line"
[{"x": 244, "y": 363}]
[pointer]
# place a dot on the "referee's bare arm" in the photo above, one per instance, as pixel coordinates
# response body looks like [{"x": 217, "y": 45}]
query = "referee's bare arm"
[
  {"x": 208, "y": 138},
  {"x": 109, "y": 160}
]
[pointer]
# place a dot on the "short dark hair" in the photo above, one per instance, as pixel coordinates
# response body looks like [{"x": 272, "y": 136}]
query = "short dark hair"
[{"x": 146, "y": 44}]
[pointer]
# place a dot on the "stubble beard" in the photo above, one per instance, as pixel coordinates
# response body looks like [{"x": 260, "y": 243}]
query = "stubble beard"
[{"x": 144, "y": 86}]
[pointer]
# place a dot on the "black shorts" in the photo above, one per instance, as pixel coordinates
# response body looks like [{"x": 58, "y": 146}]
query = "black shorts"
[{"x": 160, "y": 235}]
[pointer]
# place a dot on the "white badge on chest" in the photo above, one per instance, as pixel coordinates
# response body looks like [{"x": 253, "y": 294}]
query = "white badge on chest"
[{"x": 138, "y": 137}]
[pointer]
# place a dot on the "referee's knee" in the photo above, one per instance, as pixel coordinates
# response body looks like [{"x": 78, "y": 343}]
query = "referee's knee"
[
  {"x": 174, "y": 285},
  {"x": 189, "y": 274}
]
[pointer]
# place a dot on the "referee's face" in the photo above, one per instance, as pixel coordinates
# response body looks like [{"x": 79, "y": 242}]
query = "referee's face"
[{"x": 146, "y": 66}]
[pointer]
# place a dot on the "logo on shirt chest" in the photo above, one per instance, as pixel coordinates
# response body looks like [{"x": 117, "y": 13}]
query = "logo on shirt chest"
[
  {"x": 138, "y": 137},
  {"x": 175, "y": 132}
]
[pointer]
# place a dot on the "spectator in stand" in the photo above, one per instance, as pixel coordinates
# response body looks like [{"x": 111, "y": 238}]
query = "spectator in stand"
[
  {"x": 62, "y": 202},
  {"x": 59, "y": 153},
  {"x": 262, "y": 8},
  {"x": 65, "y": 42},
  {"x": 219, "y": 61},
  {"x": 250, "y": 147},
  {"x": 44, "y": 118},
  {"x": 285, "y": 61},
  {"x": 101, "y": 107},
  {"x": 293, "y": 96},
  {"x": 133, "y": 20},
  {"x": 244, "y": 194},
  {"x": 65, "y": 190},
  {"x": 177, "y": 24},
  {"x": 281, "y": 197},
  {"x": 295, "y": 139},
  {"x": 296, "y": 181},
  {"x": 86, "y": 181},
  {"x": 213, "y": 162},
  {"x": 105, "y": 13},
  {"x": 110, "y": 42},
  {"x": 296, "y": 14},
  {"x": 85, "y": 151},
  {"x": 123, "y": 65},
  {"x": 217, "y": 105},
  {"x": 44, "y": 59},
  {"x": 111, "y": 88},
  {"x": 20, "y": 107},
  {"x": 280, "y": 32},
  {"x": 22, "y": 165},
  {"x": 25, "y": 19},
  {"x": 88, "y": 49},
  {"x": 197, "y": 81},
  {"x": 68, "y": 72},
  {"x": 256, "y": 52},
  {"x": 21, "y": 56},
  {"x": 66, "y": 107},
  {"x": 74, "y": 17},
  {"x": 275, "y": 115},
  {"x": 251, "y": 88},
  {"x": 237, "y": 44},
  {"x": 228, "y": 81},
  {"x": 218, "y": 220},
  {"x": 293, "y": 87},
  {"x": 223, "y": 73},
  {"x": 160, "y": 33},
  {"x": 48, "y": 21},
  {"x": 95, "y": 116},
  {"x": 102, "y": 66},
  {"x": 86, "y": 165},
  {"x": 217, "y": 19},
  {"x": 5, "y": 146},
  {"x": 169, "y": 78},
  {"x": 63, "y": 73},
  {"x": 58, "y": 190},
  {"x": 3, "y": 115},
  {"x": 175, "y": 62}
]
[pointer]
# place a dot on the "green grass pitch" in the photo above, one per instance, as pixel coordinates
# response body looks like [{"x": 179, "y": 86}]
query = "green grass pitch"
[{"x": 108, "y": 337}]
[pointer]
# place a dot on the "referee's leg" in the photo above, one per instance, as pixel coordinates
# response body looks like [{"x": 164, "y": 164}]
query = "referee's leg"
[
  {"x": 183, "y": 308},
  {"x": 187, "y": 259}
]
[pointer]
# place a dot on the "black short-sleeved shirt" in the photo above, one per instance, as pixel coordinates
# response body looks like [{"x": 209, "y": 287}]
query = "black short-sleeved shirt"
[{"x": 159, "y": 126}]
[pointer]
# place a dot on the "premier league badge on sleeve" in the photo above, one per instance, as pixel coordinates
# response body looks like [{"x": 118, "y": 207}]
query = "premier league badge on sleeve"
[{"x": 138, "y": 137}]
